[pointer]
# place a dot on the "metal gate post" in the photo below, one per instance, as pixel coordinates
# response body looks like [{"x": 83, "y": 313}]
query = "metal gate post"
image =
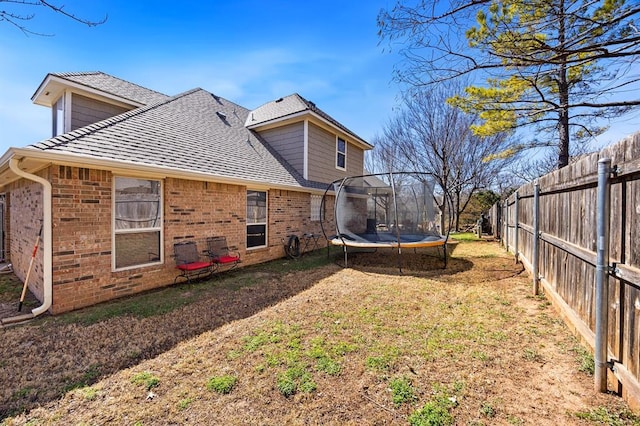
[
  {"x": 536, "y": 236},
  {"x": 515, "y": 238},
  {"x": 602, "y": 275},
  {"x": 506, "y": 221}
]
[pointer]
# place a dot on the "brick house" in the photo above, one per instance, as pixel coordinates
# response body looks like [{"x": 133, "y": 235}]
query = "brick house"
[{"x": 130, "y": 171}]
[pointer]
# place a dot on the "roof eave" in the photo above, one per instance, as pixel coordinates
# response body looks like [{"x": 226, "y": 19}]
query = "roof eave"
[
  {"x": 40, "y": 159},
  {"x": 47, "y": 93}
]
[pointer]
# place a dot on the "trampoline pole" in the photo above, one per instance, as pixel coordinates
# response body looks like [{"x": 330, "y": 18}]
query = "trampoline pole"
[
  {"x": 444, "y": 247},
  {"x": 397, "y": 224}
]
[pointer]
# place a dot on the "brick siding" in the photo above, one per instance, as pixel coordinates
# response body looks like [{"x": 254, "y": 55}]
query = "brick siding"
[
  {"x": 24, "y": 215},
  {"x": 82, "y": 231}
]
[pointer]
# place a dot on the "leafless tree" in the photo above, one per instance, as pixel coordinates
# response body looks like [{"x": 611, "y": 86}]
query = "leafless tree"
[
  {"x": 428, "y": 135},
  {"x": 20, "y": 13}
]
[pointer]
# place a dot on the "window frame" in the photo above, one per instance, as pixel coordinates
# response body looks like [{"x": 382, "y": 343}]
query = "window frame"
[
  {"x": 159, "y": 228},
  {"x": 265, "y": 223},
  {"x": 341, "y": 153}
]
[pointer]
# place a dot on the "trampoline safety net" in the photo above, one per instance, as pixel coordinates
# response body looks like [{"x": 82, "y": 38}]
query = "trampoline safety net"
[{"x": 392, "y": 209}]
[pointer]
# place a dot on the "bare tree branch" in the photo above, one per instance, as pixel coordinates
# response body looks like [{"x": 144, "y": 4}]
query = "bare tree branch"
[{"x": 21, "y": 12}]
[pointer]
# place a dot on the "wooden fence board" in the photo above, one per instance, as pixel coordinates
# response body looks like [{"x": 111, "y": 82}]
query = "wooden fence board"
[
  {"x": 631, "y": 344},
  {"x": 567, "y": 257}
]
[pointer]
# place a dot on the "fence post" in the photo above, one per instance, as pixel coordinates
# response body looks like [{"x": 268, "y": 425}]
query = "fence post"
[
  {"x": 506, "y": 221},
  {"x": 536, "y": 236},
  {"x": 515, "y": 238},
  {"x": 602, "y": 275}
]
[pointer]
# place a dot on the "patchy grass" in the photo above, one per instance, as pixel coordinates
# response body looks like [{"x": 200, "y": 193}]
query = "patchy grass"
[
  {"x": 604, "y": 416},
  {"x": 464, "y": 236},
  {"x": 289, "y": 343}
]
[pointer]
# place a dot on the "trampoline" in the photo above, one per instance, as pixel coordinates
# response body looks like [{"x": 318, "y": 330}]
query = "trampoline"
[{"x": 386, "y": 210}]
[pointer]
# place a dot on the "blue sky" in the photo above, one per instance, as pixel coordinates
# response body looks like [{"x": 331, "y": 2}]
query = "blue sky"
[{"x": 249, "y": 52}]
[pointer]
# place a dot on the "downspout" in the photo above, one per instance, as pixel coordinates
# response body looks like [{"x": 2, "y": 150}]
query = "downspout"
[{"x": 14, "y": 165}]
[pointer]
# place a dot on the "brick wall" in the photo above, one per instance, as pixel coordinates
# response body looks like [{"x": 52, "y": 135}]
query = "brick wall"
[
  {"x": 24, "y": 217},
  {"x": 82, "y": 231}
]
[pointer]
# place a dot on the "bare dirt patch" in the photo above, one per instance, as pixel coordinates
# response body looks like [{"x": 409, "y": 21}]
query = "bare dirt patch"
[{"x": 363, "y": 345}]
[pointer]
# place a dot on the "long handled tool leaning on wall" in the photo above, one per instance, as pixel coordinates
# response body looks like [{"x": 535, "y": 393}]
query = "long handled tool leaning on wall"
[{"x": 26, "y": 280}]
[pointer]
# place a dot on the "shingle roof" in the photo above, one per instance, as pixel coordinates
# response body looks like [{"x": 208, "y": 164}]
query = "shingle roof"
[
  {"x": 116, "y": 86},
  {"x": 287, "y": 106},
  {"x": 195, "y": 131}
]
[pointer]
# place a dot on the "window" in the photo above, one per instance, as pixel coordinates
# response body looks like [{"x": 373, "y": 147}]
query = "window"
[
  {"x": 341, "y": 154},
  {"x": 256, "y": 219},
  {"x": 137, "y": 222},
  {"x": 316, "y": 204}
]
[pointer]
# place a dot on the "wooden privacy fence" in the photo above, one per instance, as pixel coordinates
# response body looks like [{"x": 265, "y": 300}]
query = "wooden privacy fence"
[{"x": 577, "y": 230}]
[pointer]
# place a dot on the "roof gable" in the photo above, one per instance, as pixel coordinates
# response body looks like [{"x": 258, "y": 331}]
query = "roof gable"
[
  {"x": 97, "y": 83},
  {"x": 290, "y": 107}
]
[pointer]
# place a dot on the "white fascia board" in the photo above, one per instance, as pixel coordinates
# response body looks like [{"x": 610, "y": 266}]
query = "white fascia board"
[
  {"x": 81, "y": 89},
  {"x": 136, "y": 169}
]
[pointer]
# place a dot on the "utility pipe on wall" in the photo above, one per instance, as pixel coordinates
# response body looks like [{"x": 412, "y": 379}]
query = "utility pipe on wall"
[
  {"x": 602, "y": 275},
  {"x": 14, "y": 165}
]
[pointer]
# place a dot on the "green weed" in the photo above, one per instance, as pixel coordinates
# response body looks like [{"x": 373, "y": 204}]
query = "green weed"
[
  {"x": 585, "y": 360},
  {"x": 222, "y": 384},
  {"x": 532, "y": 355},
  {"x": 293, "y": 379},
  {"x": 184, "y": 403},
  {"x": 147, "y": 379},
  {"x": 329, "y": 366},
  {"x": 487, "y": 410},
  {"x": 433, "y": 413},
  {"x": 89, "y": 393},
  {"x": 401, "y": 391}
]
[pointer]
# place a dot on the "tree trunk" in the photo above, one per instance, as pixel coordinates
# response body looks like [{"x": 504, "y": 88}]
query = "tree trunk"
[{"x": 563, "y": 95}]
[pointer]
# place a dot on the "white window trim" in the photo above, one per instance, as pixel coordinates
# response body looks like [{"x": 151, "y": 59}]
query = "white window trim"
[
  {"x": 126, "y": 231},
  {"x": 315, "y": 207},
  {"x": 266, "y": 222},
  {"x": 67, "y": 111},
  {"x": 338, "y": 139}
]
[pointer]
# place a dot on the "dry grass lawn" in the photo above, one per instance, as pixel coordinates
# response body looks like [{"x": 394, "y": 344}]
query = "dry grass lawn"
[{"x": 331, "y": 346}]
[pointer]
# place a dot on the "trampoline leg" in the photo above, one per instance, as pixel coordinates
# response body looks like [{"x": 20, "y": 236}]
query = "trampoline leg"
[
  {"x": 444, "y": 248},
  {"x": 345, "y": 256}
]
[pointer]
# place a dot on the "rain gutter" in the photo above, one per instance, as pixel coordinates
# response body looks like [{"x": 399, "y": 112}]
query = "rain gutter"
[{"x": 14, "y": 165}]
